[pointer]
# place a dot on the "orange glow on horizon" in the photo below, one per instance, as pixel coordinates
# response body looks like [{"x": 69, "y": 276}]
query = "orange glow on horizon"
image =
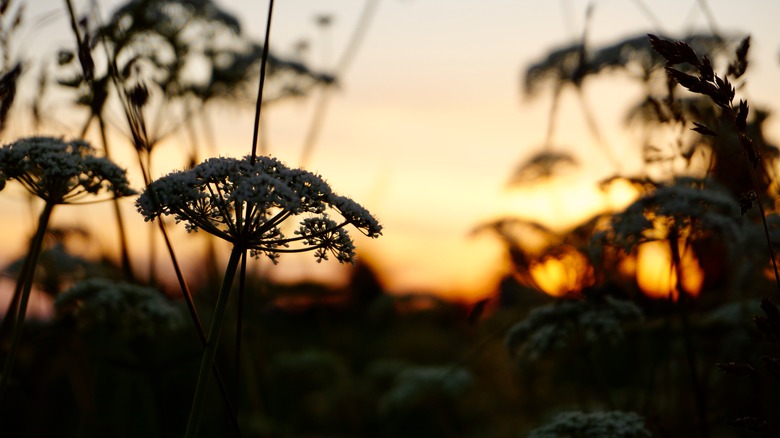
[
  {"x": 656, "y": 277},
  {"x": 558, "y": 276}
]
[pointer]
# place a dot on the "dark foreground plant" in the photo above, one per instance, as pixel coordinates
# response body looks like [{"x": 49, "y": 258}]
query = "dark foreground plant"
[
  {"x": 58, "y": 172},
  {"x": 245, "y": 202},
  {"x": 614, "y": 424},
  {"x": 125, "y": 310},
  {"x": 722, "y": 93}
]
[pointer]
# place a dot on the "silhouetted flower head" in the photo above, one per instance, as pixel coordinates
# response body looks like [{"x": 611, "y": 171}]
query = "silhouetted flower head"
[
  {"x": 125, "y": 310},
  {"x": 246, "y": 203},
  {"x": 616, "y": 424},
  {"x": 691, "y": 206},
  {"x": 416, "y": 386},
  {"x": 61, "y": 172},
  {"x": 567, "y": 322}
]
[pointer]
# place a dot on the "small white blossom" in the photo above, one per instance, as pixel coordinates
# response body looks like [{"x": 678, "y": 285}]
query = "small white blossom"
[
  {"x": 60, "y": 172},
  {"x": 609, "y": 424},
  {"x": 123, "y": 309},
  {"x": 414, "y": 385},
  {"x": 246, "y": 203},
  {"x": 562, "y": 323}
]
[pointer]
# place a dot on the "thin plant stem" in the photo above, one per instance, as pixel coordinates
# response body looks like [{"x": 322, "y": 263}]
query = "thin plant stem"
[
  {"x": 240, "y": 322},
  {"x": 357, "y": 37},
  {"x": 314, "y": 126},
  {"x": 263, "y": 63},
  {"x": 185, "y": 290},
  {"x": 212, "y": 342},
  {"x": 754, "y": 181},
  {"x": 73, "y": 25},
  {"x": 709, "y": 16},
  {"x": 27, "y": 280},
  {"x": 13, "y": 307},
  {"x": 152, "y": 259},
  {"x": 127, "y": 267},
  {"x": 255, "y": 135},
  {"x": 699, "y": 390},
  {"x": 766, "y": 232}
]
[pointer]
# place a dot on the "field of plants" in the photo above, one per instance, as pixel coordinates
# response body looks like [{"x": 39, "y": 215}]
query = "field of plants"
[{"x": 577, "y": 340}]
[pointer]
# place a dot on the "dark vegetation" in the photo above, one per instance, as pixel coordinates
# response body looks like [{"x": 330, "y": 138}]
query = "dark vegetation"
[{"x": 120, "y": 358}]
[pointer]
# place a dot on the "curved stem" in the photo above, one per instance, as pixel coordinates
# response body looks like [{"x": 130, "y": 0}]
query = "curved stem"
[
  {"x": 27, "y": 281},
  {"x": 210, "y": 352}
]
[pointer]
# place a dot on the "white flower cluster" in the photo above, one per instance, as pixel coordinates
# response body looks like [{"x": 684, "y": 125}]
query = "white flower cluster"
[
  {"x": 580, "y": 322},
  {"x": 608, "y": 424},
  {"x": 736, "y": 314},
  {"x": 309, "y": 369},
  {"x": 60, "y": 172},
  {"x": 245, "y": 203},
  {"x": 414, "y": 385},
  {"x": 125, "y": 310}
]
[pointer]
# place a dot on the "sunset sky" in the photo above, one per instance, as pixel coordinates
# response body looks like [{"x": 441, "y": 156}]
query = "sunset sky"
[{"x": 430, "y": 119}]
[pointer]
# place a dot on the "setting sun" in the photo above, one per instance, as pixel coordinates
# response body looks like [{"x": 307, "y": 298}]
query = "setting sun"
[
  {"x": 656, "y": 276},
  {"x": 563, "y": 274}
]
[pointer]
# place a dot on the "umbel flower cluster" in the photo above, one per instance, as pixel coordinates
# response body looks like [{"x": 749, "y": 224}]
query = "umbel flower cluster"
[
  {"x": 245, "y": 202},
  {"x": 124, "y": 310},
  {"x": 617, "y": 424},
  {"x": 567, "y": 322},
  {"x": 59, "y": 171}
]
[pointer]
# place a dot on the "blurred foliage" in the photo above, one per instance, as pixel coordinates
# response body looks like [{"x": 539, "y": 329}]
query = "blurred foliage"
[
  {"x": 697, "y": 363},
  {"x": 604, "y": 359}
]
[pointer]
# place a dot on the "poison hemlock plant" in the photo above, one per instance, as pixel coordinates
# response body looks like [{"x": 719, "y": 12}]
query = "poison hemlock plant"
[
  {"x": 59, "y": 172},
  {"x": 415, "y": 385},
  {"x": 685, "y": 209},
  {"x": 246, "y": 202},
  {"x": 124, "y": 310},
  {"x": 570, "y": 323},
  {"x": 609, "y": 424}
]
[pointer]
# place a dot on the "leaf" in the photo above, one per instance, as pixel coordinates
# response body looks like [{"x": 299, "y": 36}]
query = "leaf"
[
  {"x": 703, "y": 129},
  {"x": 738, "y": 67},
  {"x": 675, "y": 52},
  {"x": 742, "y": 113},
  {"x": 692, "y": 83},
  {"x": 724, "y": 92},
  {"x": 705, "y": 70}
]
